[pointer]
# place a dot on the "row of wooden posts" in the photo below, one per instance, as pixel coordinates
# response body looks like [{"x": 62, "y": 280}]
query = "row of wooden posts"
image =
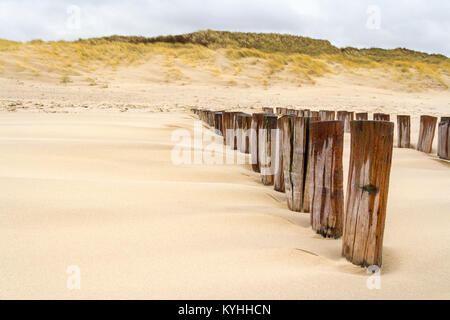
[{"x": 308, "y": 148}]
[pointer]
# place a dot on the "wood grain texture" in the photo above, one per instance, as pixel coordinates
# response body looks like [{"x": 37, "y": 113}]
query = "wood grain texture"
[
  {"x": 403, "y": 131},
  {"x": 381, "y": 117},
  {"x": 326, "y": 183},
  {"x": 246, "y": 123},
  {"x": 346, "y": 116},
  {"x": 226, "y": 116},
  {"x": 218, "y": 123},
  {"x": 362, "y": 116},
  {"x": 294, "y": 132},
  {"x": 326, "y": 115},
  {"x": 267, "y": 136},
  {"x": 254, "y": 141},
  {"x": 426, "y": 133},
  {"x": 279, "y": 173},
  {"x": 444, "y": 139},
  {"x": 367, "y": 191}
]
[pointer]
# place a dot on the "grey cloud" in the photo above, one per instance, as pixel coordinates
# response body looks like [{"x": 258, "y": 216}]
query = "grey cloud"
[{"x": 415, "y": 24}]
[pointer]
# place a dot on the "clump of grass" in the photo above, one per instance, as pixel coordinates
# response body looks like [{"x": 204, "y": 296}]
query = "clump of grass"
[
  {"x": 65, "y": 79},
  {"x": 301, "y": 57},
  {"x": 91, "y": 82}
]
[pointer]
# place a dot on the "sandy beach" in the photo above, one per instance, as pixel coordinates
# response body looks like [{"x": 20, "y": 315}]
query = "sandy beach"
[{"x": 83, "y": 184}]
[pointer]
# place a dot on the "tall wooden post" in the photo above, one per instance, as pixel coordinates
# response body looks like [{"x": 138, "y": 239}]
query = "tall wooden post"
[
  {"x": 381, "y": 117},
  {"x": 426, "y": 133},
  {"x": 340, "y": 115},
  {"x": 326, "y": 115},
  {"x": 267, "y": 162},
  {"x": 294, "y": 131},
  {"x": 279, "y": 173},
  {"x": 367, "y": 192},
  {"x": 246, "y": 123},
  {"x": 362, "y": 116},
  {"x": 254, "y": 141},
  {"x": 326, "y": 177},
  {"x": 444, "y": 138},
  {"x": 218, "y": 122},
  {"x": 403, "y": 131},
  {"x": 225, "y": 125}
]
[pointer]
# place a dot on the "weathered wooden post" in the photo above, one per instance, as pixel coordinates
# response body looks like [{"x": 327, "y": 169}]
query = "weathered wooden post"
[
  {"x": 345, "y": 116},
  {"x": 362, "y": 116},
  {"x": 426, "y": 133},
  {"x": 403, "y": 131},
  {"x": 367, "y": 191},
  {"x": 326, "y": 115},
  {"x": 254, "y": 141},
  {"x": 444, "y": 138},
  {"x": 307, "y": 113},
  {"x": 225, "y": 126},
  {"x": 268, "y": 110},
  {"x": 279, "y": 173},
  {"x": 211, "y": 118},
  {"x": 238, "y": 124},
  {"x": 282, "y": 111},
  {"x": 218, "y": 122},
  {"x": 315, "y": 114},
  {"x": 340, "y": 115},
  {"x": 246, "y": 123},
  {"x": 294, "y": 131},
  {"x": 349, "y": 116},
  {"x": 381, "y": 117},
  {"x": 267, "y": 162},
  {"x": 325, "y": 173}
]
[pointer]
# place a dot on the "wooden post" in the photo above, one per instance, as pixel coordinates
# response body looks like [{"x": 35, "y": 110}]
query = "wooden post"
[
  {"x": 326, "y": 115},
  {"x": 367, "y": 192},
  {"x": 294, "y": 131},
  {"x": 340, "y": 115},
  {"x": 315, "y": 114},
  {"x": 326, "y": 177},
  {"x": 267, "y": 163},
  {"x": 246, "y": 125},
  {"x": 444, "y": 138},
  {"x": 426, "y": 133},
  {"x": 403, "y": 131},
  {"x": 238, "y": 130},
  {"x": 218, "y": 122},
  {"x": 292, "y": 112},
  {"x": 225, "y": 125},
  {"x": 345, "y": 116},
  {"x": 307, "y": 113},
  {"x": 254, "y": 141},
  {"x": 381, "y": 117},
  {"x": 362, "y": 116},
  {"x": 279, "y": 176},
  {"x": 268, "y": 110},
  {"x": 282, "y": 111}
]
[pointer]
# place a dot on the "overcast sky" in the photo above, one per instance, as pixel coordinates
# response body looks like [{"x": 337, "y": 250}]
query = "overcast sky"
[{"x": 416, "y": 24}]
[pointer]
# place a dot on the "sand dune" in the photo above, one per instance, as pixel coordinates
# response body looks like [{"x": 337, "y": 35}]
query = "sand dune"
[{"x": 98, "y": 190}]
